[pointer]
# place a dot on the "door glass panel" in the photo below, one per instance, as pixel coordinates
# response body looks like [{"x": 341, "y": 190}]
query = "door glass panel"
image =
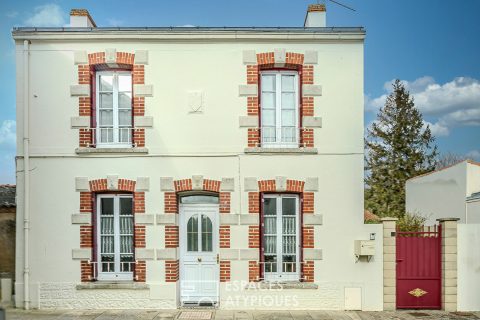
[
  {"x": 268, "y": 118},
  {"x": 106, "y": 83},
  {"x": 288, "y": 100},
  {"x": 268, "y": 82},
  {"x": 126, "y": 206},
  {"x": 106, "y": 118},
  {"x": 289, "y": 206},
  {"x": 268, "y": 100},
  {"x": 270, "y": 263},
  {"x": 288, "y": 83},
  {"x": 207, "y": 238},
  {"x": 125, "y": 118},
  {"x": 106, "y": 101},
  {"x": 192, "y": 234},
  {"x": 107, "y": 238},
  {"x": 124, "y": 100},
  {"x": 124, "y": 82}
]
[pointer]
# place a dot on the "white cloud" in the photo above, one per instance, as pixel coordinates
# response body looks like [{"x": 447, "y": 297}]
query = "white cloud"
[
  {"x": 438, "y": 129},
  {"x": 186, "y": 26},
  {"x": 455, "y": 103},
  {"x": 48, "y": 15},
  {"x": 8, "y": 133}
]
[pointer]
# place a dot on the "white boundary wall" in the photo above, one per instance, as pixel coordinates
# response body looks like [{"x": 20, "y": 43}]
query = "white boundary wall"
[{"x": 468, "y": 267}]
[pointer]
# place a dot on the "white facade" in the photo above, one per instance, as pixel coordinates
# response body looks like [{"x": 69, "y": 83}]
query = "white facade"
[
  {"x": 446, "y": 193},
  {"x": 184, "y": 142}
]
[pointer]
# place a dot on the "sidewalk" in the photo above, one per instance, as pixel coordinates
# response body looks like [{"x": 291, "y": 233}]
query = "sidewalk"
[{"x": 208, "y": 314}]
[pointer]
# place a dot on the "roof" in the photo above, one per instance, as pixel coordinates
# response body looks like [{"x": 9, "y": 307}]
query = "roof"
[
  {"x": 7, "y": 195},
  {"x": 447, "y": 167},
  {"x": 369, "y": 216}
]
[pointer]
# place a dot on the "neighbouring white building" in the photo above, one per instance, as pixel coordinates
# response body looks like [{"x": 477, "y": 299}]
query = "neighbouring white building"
[
  {"x": 163, "y": 167},
  {"x": 453, "y": 191}
]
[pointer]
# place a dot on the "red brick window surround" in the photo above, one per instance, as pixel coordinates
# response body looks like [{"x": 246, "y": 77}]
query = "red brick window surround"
[
  {"x": 87, "y": 104},
  {"x": 293, "y": 62},
  {"x": 88, "y": 233},
  {"x": 306, "y": 232},
  {"x": 171, "y": 206}
]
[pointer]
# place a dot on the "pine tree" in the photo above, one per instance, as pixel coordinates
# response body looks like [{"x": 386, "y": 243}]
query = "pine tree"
[{"x": 398, "y": 147}]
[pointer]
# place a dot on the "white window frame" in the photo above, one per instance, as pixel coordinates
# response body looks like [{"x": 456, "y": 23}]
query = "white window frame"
[
  {"x": 278, "y": 110},
  {"x": 279, "y": 275},
  {"x": 115, "y": 110},
  {"x": 116, "y": 275}
]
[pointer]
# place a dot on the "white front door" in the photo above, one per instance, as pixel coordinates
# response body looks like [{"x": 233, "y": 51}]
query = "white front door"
[{"x": 199, "y": 264}]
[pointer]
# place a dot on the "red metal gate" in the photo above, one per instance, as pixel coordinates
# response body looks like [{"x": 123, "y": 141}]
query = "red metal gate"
[{"x": 419, "y": 269}]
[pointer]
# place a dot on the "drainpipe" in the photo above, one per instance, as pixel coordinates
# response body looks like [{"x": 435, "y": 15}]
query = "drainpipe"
[{"x": 26, "y": 175}]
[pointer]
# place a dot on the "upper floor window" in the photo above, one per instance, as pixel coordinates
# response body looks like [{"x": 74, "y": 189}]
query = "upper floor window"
[
  {"x": 279, "y": 109},
  {"x": 114, "y": 108},
  {"x": 115, "y": 237},
  {"x": 281, "y": 237}
]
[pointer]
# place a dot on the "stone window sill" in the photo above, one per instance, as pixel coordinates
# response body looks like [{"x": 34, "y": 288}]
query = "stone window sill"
[
  {"x": 112, "y": 285},
  {"x": 110, "y": 150},
  {"x": 260, "y": 150},
  {"x": 282, "y": 285}
]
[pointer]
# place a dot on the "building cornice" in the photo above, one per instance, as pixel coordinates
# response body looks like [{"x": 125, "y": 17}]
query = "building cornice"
[{"x": 180, "y": 33}]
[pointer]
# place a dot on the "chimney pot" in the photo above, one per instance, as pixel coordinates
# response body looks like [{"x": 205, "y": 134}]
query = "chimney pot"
[
  {"x": 316, "y": 16},
  {"x": 81, "y": 18}
]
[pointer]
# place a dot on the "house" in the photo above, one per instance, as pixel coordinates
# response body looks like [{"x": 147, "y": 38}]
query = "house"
[
  {"x": 449, "y": 192},
  {"x": 166, "y": 167}
]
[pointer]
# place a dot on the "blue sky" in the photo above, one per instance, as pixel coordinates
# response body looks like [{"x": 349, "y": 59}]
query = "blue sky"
[{"x": 432, "y": 45}]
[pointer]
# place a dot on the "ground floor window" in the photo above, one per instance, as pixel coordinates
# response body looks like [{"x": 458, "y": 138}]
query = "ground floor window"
[
  {"x": 280, "y": 229},
  {"x": 115, "y": 243}
]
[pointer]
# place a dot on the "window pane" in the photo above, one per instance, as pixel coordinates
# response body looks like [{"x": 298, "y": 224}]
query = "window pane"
[
  {"x": 126, "y": 225},
  {"x": 289, "y": 206},
  {"x": 106, "y": 82},
  {"x": 288, "y": 118},
  {"x": 124, "y": 82},
  {"x": 268, "y": 118},
  {"x": 288, "y": 101},
  {"x": 268, "y": 82},
  {"x": 126, "y": 262},
  {"x": 106, "y": 205},
  {"x": 270, "y": 206},
  {"x": 270, "y": 245},
  {"x": 270, "y": 263},
  {"x": 108, "y": 264},
  {"x": 124, "y": 100},
  {"x": 268, "y": 100},
  {"x": 206, "y": 234},
  {"x": 288, "y": 83},
  {"x": 126, "y": 206},
  {"x": 106, "y": 118},
  {"x": 192, "y": 233},
  {"x": 268, "y": 134},
  {"x": 106, "y": 101},
  {"x": 199, "y": 199},
  {"x": 106, "y": 135},
  {"x": 289, "y": 263},
  {"x": 124, "y": 135},
  {"x": 106, "y": 225},
  {"x": 125, "y": 118}
]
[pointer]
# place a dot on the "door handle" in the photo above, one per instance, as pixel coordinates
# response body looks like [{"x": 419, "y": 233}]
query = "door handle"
[
  {"x": 399, "y": 260},
  {"x": 218, "y": 258},
  {"x": 199, "y": 259}
]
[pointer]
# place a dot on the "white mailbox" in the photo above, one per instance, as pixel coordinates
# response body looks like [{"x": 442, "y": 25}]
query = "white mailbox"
[{"x": 364, "y": 248}]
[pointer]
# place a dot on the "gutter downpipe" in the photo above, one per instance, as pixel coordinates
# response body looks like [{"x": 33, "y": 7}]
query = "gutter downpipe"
[{"x": 26, "y": 175}]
